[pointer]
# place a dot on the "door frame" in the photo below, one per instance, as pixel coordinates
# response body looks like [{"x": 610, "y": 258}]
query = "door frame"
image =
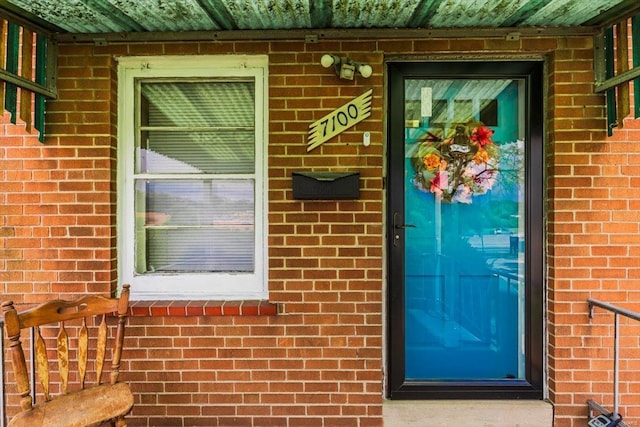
[{"x": 531, "y": 387}]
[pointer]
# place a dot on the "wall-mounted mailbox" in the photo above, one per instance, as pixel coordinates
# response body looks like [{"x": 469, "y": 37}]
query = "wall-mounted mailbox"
[{"x": 326, "y": 185}]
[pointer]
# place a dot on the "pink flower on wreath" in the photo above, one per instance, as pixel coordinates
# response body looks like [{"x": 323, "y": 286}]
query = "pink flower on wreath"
[
  {"x": 483, "y": 177},
  {"x": 439, "y": 183},
  {"x": 462, "y": 194}
]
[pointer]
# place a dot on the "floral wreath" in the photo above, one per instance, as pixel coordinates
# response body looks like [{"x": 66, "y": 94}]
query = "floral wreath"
[{"x": 458, "y": 167}]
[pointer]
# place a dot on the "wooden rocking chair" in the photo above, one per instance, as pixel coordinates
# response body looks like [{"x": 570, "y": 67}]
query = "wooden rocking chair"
[{"x": 86, "y": 406}]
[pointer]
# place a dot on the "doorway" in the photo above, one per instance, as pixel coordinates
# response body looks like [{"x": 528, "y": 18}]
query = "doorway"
[{"x": 465, "y": 230}]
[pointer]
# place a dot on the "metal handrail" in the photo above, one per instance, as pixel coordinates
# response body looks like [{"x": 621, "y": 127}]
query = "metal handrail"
[
  {"x": 617, "y": 311},
  {"x": 614, "y": 308}
]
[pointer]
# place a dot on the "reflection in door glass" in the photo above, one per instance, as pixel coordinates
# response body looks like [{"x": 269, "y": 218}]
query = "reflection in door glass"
[{"x": 464, "y": 192}]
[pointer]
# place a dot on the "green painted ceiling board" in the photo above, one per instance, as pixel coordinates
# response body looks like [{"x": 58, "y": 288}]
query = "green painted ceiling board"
[
  {"x": 423, "y": 13},
  {"x": 219, "y": 14},
  {"x": 321, "y": 12},
  {"x": 526, "y": 10},
  {"x": 124, "y": 16},
  {"x": 108, "y": 10}
]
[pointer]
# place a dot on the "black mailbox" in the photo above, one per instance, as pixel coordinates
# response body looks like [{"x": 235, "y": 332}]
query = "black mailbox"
[{"x": 326, "y": 185}]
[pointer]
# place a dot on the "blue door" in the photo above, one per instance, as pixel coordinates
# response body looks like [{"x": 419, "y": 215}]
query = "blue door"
[{"x": 461, "y": 162}]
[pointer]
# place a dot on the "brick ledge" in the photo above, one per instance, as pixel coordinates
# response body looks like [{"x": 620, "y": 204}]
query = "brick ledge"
[{"x": 202, "y": 308}]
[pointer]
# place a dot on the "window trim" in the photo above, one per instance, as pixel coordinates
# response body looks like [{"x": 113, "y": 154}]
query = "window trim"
[{"x": 201, "y": 286}]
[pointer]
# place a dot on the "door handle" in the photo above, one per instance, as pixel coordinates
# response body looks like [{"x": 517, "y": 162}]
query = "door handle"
[{"x": 397, "y": 226}]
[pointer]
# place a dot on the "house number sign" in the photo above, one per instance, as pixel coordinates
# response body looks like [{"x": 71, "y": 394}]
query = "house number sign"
[{"x": 339, "y": 120}]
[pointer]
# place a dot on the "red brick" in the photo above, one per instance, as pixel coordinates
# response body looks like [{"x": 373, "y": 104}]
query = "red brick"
[{"x": 271, "y": 363}]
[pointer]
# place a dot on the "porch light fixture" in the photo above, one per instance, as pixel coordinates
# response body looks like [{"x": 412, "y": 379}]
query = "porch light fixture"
[{"x": 346, "y": 68}]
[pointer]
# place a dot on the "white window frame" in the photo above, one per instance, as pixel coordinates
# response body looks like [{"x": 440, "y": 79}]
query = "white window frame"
[{"x": 189, "y": 286}]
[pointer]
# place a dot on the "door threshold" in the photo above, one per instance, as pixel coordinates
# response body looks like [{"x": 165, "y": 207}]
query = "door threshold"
[{"x": 467, "y": 413}]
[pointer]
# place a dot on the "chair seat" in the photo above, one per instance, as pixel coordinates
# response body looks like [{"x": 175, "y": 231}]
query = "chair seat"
[{"x": 83, "y": 408}]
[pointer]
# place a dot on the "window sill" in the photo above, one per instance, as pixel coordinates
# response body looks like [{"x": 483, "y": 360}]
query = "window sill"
[{"x": 202, "y": 308}]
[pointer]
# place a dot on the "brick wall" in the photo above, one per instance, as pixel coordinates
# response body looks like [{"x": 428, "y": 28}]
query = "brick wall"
[
  {"x": 318, "y": 362},
  {"x": 593, "y": 244}
]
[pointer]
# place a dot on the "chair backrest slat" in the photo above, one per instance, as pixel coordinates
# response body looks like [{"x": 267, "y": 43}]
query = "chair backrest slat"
[
  {"x": 83, "y": 351},
  {"x": 63, "y": 357},
  {"x": 42, "y": 364},
  {"x": 101, "y": 347}
]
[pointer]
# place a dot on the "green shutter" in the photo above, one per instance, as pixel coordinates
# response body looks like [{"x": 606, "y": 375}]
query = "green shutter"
[
  {"x": 609, "y": 72},
  {"x": 635, "y": 40},
  {"x": 11, "y": 93},
  {"x": 41, "y": 76}
]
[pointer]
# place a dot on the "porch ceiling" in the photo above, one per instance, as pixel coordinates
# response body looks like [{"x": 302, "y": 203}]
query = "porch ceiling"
[{"x": 93, "y": 17}]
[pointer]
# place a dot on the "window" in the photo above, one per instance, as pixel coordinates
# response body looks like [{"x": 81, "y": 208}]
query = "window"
[{"x": 191, "y": 177}]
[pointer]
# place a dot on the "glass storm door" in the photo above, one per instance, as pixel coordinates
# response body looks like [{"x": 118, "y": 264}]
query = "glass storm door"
[{"x": 465, "y": 230}]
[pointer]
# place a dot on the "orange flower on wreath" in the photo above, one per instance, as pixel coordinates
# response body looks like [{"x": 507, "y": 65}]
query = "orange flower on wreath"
[
  {"x": 482, "y": 156},
  {"x": 431, "y": 161}
]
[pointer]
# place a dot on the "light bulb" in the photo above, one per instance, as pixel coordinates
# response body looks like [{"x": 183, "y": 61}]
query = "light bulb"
[
  {"x": 327, "y": 60},
  {"x": 365, "y": 71}
]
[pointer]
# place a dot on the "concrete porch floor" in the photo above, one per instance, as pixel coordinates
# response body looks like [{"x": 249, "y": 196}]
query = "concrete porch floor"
[{"x": 463, "y": 413}]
